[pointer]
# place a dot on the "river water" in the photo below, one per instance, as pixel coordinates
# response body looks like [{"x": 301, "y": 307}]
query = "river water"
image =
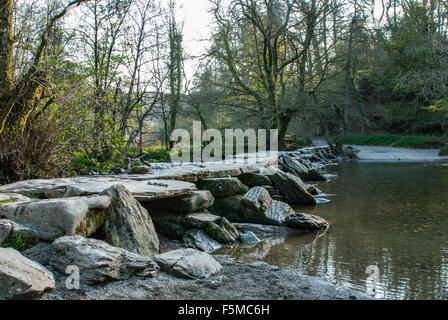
[{"x": 393, "y": 216}]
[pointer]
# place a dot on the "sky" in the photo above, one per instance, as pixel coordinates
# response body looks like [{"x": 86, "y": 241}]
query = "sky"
[{"x": 196, "y": 20}]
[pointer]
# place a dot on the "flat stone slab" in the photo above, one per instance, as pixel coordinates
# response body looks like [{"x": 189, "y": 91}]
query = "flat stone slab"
[
  {"x": 54, "y": 218},
  {"x": 12, "y": 197},
  {"x": 143, "y": 190}
]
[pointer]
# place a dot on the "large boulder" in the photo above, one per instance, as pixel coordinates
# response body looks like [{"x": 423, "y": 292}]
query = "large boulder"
[
  {"x": 216, "y": 227},
  {"x": 21, "y": 278},
  {"x": 255, "y": 179},
  {"x": 227, "y": 207},
  {"x": 17, "y": 234},
  {"x": 192, "y": 202},
  {"x": 258, "y": 207},
  {"x": 306, "y": 222},
  {"x": 197, "y": 239},
  {"x": 56, "y": 218},
  {"x": 128, "y": 224},
  {"x": 188, "y": 263},
  {"x": 292, "y": 188},
  {"x": 39, "y": 253},
  {"x": 295, "y": 167},
  {"x": 277, "y": 213},
  {"x": 254, "y": 205},
  {"x": 223, "y": 187},
  {"x": 98, "y": 261}
]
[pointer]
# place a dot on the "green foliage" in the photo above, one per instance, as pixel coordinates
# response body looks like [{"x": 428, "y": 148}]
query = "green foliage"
[
  {"x": 40, "y": 152},
  {"x": 6, "y": 201},
  {"x": 443, "y": 151},
  {"x": 84, "y": 164},
  {"x": 18, "y": 242},
  {"x": 156, "y": 154},
  {"x": 418, "y": 142}
]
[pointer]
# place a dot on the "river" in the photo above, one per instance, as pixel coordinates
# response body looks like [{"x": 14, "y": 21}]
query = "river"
[{"x": 390, "y": 215}]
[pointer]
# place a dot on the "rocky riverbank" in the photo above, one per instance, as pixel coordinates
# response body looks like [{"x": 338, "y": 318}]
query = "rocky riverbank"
[{"x": 107, "y": 231}]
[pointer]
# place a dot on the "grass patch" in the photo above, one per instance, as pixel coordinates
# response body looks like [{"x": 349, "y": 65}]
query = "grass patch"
[
  {"x": 6, "y": 201},
  {"x": 417, "y": 142},
  {"x": 38, "y": 196},
  {"x": 443, "y": 151},
  {"x": 18, "y": 242}
]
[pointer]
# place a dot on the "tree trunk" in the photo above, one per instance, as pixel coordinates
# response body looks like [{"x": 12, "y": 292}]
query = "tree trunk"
[{"x": 6, "y": 53}]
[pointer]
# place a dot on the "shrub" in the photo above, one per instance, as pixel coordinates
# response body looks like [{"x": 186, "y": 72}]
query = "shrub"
[
  {"x": 443, "y": 151},
  {"x": 39, "y": 152}
]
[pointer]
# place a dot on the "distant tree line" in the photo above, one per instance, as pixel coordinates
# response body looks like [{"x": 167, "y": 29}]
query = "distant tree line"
[{"x": 92, "y": 82}]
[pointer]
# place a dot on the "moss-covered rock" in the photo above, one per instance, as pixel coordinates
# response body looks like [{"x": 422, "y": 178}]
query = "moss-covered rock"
[
  {"x": 128, "y": 224},
  {"x": 223, "y": 187}
]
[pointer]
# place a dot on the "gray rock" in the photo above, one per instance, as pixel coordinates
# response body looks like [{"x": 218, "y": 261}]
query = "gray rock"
[
  {"x": 278, "y": 211},
  {"x": 306, "y": 222},
  {"x": 140, "y": 170},
  {"x": 216, "y": 227},
  {"x": 5, "y": 230},
  {"x": 55, "y": 218},
  {"x": 313, "y": 190},
  {"x": 249, "y": 237},
  {"x": 39, "y": 253},
  {"x": 223, "y": 187},
  {"x": 263, "y": 231},
  {"x": 128, "y": 224},
  {"x": 193, "y": 201},
  {"x": 188, "y": 263},
  {"x": 197, "y": 239},
  {"x": 28, "y": 236},
  {"x": 143, "y": 191},
  {"x": 21, "y": 278},
  {"x": 118, "y": 171},
  {"x": 292, "y": 188},
  {"x": 99, "y": 262},
  {"x": 255, "y": 180},
  {"x": 12, "y": 197},
  {"x": 254, "y": 205},
  {"x": 258, "y": 207},
  {"x": 227, "y": 207}
]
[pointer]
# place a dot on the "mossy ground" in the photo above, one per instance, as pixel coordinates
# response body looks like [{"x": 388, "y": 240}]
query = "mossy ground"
[{"x": 18, "y": 242}]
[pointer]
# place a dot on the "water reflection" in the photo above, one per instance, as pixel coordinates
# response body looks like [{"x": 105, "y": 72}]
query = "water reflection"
[{"x": 392, "y": 215}]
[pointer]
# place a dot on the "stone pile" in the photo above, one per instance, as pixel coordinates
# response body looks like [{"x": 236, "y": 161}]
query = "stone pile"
[{"x": 109, "y": 226}]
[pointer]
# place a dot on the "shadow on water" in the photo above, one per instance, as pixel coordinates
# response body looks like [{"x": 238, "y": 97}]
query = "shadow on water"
[{"x": 391, "y": 215}]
